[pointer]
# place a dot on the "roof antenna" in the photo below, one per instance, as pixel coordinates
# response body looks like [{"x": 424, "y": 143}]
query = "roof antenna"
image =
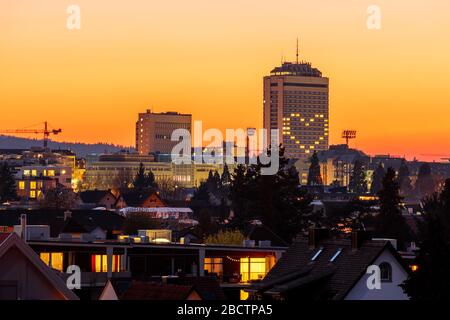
[{"x": 297, "y": 50}]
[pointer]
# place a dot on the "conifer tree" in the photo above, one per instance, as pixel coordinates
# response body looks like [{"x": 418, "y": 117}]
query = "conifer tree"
[
  {"x": 431, "y": 281},
  {"x": 404, "y": 180},
  {"x": 390, "y": 222},
  {"x": 314, "y": 176},
  {"x": 358, "y": 182},
  {"x": 377, "y": 179},
  {"x": 425, "y": 185},
  {"x": 7, "y": 183}
]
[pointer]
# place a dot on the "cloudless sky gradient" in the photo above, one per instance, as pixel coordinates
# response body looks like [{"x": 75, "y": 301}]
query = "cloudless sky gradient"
[{"x": 208, "y": 58}]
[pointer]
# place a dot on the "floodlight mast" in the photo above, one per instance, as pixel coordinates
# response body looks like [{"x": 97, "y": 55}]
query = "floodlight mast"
[{"x": 348, "y": 135}]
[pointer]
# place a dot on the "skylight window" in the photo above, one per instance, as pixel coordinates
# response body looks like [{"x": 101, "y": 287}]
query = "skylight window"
[
  {"x": 336, "y": 255},
  {"x": 317, "y": 254}
]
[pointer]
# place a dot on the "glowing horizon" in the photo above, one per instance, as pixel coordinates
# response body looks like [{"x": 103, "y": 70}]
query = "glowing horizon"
[{"x": 208, "y": 58}]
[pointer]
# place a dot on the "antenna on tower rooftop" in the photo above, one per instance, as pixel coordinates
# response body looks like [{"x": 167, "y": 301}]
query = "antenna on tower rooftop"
[{"x": 297, "y": 51}]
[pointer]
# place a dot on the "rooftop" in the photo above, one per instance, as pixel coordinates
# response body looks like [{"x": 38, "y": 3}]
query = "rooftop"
[
  {"x": 332, "y": 267},
  {"x": 303, "y": 69}
]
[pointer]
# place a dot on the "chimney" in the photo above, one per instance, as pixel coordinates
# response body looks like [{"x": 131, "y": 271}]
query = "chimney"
[
  {"x": 316, "y": 235},
  {"x": 359, "y": 237},
  {"x": 23, "y": 224},
  {"x": 67, "y": 215}
]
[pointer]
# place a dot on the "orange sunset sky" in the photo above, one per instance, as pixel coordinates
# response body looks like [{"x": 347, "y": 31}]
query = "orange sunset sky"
[{"x": 208, "y": 58}]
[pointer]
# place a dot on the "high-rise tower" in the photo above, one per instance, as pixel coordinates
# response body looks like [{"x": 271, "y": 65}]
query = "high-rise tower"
[{"x": 296, "y": 103}]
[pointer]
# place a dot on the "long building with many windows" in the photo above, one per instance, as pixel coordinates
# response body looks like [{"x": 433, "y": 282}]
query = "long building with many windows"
[{"x": 296, "y": 104}]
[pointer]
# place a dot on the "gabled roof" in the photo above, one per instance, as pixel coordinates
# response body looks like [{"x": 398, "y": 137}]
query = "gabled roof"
[
  {"x": 7, "y": 241},
  {"x": 94, "y": 196},
  {"x": 156, "y": 291},
  {"x": 135, "y": 198},
  {"x": 331, "y": 279}
]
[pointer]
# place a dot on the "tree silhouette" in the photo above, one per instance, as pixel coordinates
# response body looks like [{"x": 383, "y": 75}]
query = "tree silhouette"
[
  {"x": 144, "y": 180},
  {"x": 7, "y": 183},
  {"x": 432, "y": 279},
  {"x": 404, "y": 180},
  {"x": 276, "y": 200},
  {"x": 314, "y": 176},
  {"x": 377, "y": 179},
  {"x": 425, "y": 185},
  {"x": 60, "y": 198},
  {"x": 358, "y": 182},
  {"x": 390, "y": 222}
]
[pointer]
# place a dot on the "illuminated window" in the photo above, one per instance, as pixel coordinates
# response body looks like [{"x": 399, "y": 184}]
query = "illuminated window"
[
  {"x": 214, "y": 265},
  {"x": 53, "y": 260},
  {"x": 243, "y": 295},
  {"x": 32, "y": 194},
  {"x": 45, "y": 256},
  {"x": 33, "y": 185},
  {"x": 26, "y": 172},
  {"x": 51, "y": 173},
  {"x": 317, "y": 254},
  {"x": 22, "y": 185},
  {"x": 253, "y": 269},
  {"x": 336, "y": 255},
  {"x": 34, "y": 173},
  {"x": 100, "y": 263}
]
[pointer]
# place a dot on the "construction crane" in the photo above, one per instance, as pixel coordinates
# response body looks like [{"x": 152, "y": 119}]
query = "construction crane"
[{"x": 46, "y": 132}]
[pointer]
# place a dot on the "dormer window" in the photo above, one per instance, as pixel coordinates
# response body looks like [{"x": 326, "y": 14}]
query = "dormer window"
[
  {"x": 317, "y": 254},
  {"x": 336, "y": 255}
]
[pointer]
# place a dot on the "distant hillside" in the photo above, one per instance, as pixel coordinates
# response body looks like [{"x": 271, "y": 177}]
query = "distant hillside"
[{"x": 81, "y": 149}]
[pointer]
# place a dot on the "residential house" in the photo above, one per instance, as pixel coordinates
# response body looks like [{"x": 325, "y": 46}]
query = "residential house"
[
  {"x": 24, "y": 276},
  {"x": 140, "y": 199},
  {"x": 97, "y": 198},
  {"x": 323, "y": 268}
]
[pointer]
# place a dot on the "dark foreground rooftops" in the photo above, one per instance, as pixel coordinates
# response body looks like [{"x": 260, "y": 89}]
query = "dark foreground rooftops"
[{"x": 325, "y": 269}]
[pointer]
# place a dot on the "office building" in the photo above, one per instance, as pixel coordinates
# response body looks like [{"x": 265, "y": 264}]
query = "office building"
[
  {"x": 296, "y": 103},
  {"x": 154, "y": 131}
]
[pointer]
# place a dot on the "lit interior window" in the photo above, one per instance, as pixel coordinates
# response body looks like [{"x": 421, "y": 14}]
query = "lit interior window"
[
  {"x": 53, "y": 260},
  {"x": 243, "y": 295},
  {"x": 22, "y": 185},
  {"x": 253, "y": 269},
  {"x": 100, "y": 263},
  {"x": 57, "y": 261},
  {"x": 214, "y": 265},
  {"x": 45, "y": 256},
  {"x": 33, "y": 185}
]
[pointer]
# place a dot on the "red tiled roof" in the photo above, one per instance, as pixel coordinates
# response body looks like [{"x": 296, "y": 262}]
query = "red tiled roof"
[{"x": 156, "y": 291}]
